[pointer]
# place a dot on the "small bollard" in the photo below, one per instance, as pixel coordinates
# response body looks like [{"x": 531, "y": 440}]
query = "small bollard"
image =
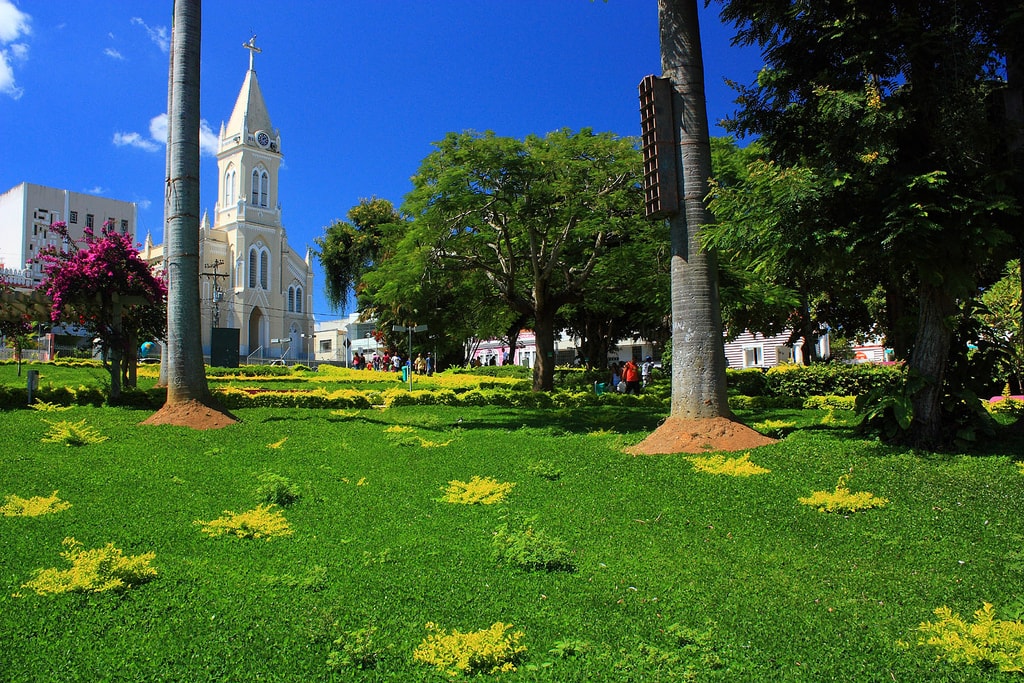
[{"x": 33, "y": 384}]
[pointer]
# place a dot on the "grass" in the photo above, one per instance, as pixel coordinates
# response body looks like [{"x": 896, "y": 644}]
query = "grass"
[{"x": 678, "y": 575}]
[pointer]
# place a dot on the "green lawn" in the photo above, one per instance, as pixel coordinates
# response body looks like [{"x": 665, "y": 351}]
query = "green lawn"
[{"x": 679, "y": 575}]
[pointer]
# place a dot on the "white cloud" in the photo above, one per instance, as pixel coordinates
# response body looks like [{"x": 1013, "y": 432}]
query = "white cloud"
[
  {"x": 13, "y": 25},
  {"x": 98, "y": 189},
  {"x": 13, "y": 22},
  {"x": 207, "y": 138},
  {"x": 112, "y": 53},
  {"x": 134, "y": 140},
  {"x": 158, "y": 34},
  {"x": 144, "y": 203}
]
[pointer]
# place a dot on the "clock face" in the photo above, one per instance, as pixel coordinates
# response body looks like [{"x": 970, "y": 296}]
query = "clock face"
[{"x": 262, "y": 139}]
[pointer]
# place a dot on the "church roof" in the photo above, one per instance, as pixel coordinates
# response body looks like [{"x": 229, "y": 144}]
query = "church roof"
[{"x": 250, "y": 112}]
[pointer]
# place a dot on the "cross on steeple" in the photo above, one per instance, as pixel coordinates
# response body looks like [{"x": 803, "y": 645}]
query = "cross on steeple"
[{"x": 251, "y": 47}]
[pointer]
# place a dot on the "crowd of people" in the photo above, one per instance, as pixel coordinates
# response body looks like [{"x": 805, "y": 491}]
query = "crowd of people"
[
  {"x": 392, "y": 362},
  {"x": 630, "y": 378}
]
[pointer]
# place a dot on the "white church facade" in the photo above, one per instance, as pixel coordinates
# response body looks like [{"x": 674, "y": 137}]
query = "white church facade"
[{"x": 252, "y": 279}]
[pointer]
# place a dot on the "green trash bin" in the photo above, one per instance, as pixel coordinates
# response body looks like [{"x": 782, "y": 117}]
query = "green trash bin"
[
  {"x": 405, "y": 373},
  {"x": 599, "y": 388}
]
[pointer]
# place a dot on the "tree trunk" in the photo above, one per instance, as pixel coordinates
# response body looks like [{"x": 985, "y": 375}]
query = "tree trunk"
[
  {"x": 183, "y": 354},
  {"x": 928, "y": 361},
  {"x": 544, "y": 365},
  {"x": 698, "y": 353}
]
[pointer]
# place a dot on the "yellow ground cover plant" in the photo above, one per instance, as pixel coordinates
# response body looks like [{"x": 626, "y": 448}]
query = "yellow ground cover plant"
[
  {"x": 988, "y": 640},
  {"x": 15, "y": 506},
  {"x": 93, "y": 571},
  {"x": 842, "y": 500},
  {"x": 733, "y": 467},
  {"x": 493, "y": 650},
  {"x": 72, "y": 433},
  {"x": 262, "y": 522},
  {"x": 477, "y": 491}
]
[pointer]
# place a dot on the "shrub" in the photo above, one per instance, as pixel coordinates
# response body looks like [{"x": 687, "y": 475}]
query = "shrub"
[
  {"x": 262, "y": 522},
  {"x": 733, "y": 467},
  {"x": 276, "y": 490},
  {"x": 830, "y": 403},
  {"x": 93, "y": 571},
  {"x": 747, "y": 382},
  {"x": 491, "y": 650},
  {"x": 15, "y": 506},
  {"x": 531, "y": 549},
  {"x": 776, "y": 429},
  {"x": 833, "y": 379},
  {"x": 357, "y": 649},
  {"x": 842, "y": 500},
  {"x": 72, "y": 433},
  {"x": 477, "y": 491},
  {"x": 988, "y": 640}
]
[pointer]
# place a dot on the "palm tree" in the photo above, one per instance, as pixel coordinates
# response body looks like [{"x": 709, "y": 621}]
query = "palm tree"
[
  {"x": 188, "y": 394},
  {"x": 698, "y": 353}
]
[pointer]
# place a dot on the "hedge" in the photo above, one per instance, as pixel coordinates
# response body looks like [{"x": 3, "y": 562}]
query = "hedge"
[{"x": 825, "y": 379}]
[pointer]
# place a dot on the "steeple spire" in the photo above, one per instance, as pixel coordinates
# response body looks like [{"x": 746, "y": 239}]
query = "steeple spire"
[{"x": 251, "y": 47}]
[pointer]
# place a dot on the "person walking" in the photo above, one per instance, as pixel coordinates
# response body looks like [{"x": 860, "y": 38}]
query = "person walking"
[
  {"x": 631, "y": 376},
  {"x": 646, "y": 369}
]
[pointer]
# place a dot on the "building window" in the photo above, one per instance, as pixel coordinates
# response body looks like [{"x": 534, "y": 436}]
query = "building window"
[
  {"x": 325, "y": 346},
  {"x": 753, "y": 357},
  {"x": 291, "y": 299},
  {"x": 124, "y": 227},
  {"x": 260, "y": 187},
  {"x": 229, "y": 186},
  {"x": 264, "y": 269},
  {"x": 252, "y": 268},
  {"x": 73, "y": 217},
  {"x": 298, "y": 299},
  {"x": 90, "y": 220}
]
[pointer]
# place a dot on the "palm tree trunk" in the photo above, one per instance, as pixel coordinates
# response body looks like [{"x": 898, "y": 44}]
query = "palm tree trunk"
[
  {"x": 186, "y": 373},
  {"x": 698, "y": 354}
]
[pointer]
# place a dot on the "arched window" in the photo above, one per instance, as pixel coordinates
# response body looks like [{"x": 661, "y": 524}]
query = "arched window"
[
  {"x": 252, "y": 267},
  {"x": 298, "y": 299},
  {"x": 264, "y": 189},
  {"x": 264, "y": 269},
  {"x": 256, "y": 187},
  {"x": 229, "y": 186},
  {"x": 291, "y": 299}
]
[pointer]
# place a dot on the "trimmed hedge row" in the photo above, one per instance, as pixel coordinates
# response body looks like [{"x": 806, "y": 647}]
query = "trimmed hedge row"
[{"x": 828, "y": 379}]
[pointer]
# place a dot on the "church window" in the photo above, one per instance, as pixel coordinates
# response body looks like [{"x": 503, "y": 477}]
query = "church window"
[
  {"x": 298, "y": 299},
  {"x": 260, "y": 187},
  {"x": 229, "y": 186},
  {"x": 291, "y": 299},
  {"x": 264, "y": 269},
  {"x": 252, "y": 267}
]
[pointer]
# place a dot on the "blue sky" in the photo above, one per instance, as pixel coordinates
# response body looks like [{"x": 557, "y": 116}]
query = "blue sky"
[{"x": 358, "y": 88}]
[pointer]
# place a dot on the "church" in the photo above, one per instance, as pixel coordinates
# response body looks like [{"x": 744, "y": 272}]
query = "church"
[{"x": 252, "y": 280}]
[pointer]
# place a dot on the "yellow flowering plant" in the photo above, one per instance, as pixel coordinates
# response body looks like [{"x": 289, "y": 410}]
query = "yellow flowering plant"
[
  {"x": 93, "y": 571},
  {"x": 492, "y": 650},
  {"x": 988, "y": 640},
  {"x": 733, "y": 467},
  {"x": 477, "y": 491},
  {"x": 842, "y": 500},
  {"x": 262, "y": 522},
  {"x": 15, "y": 506}
]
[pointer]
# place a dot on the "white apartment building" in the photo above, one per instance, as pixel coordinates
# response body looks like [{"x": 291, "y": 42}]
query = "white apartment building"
[{"x": 27, "y": 211}]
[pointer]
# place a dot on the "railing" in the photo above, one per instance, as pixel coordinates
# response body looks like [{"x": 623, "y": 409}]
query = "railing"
[{"x": 248, "y": 359}]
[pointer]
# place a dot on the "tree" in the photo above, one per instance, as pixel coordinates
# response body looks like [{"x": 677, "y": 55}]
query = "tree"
[
  {"x": 1001, "y": 329},
  {"x": 698, "y": 355},
  {"x": 891, "y": 107},
  {"x": 347, "y": 250},
  {"x": 104, "y": 285},
  {"x": 188, "y": 394},
  {"x": 523, "y": 223}
]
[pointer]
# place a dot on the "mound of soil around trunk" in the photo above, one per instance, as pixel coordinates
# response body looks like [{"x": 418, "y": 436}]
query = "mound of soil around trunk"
[
  {"x": 194, "y": 414},
  {"x": 677, "y": 435}
]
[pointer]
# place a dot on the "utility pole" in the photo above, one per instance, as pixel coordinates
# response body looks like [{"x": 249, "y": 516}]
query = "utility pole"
[{"x": 218, "y": 293}]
